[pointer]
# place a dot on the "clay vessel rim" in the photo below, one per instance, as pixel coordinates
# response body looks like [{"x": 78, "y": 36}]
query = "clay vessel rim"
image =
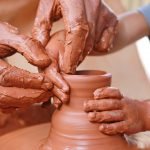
[{"x": 88, "y": 74}]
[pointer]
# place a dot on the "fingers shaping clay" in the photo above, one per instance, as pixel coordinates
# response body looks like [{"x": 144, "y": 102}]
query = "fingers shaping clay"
[
  {"x": 14, "y": 77},
  {"x": 20, "y": 88},
  {"x": 28, "y": 47}
]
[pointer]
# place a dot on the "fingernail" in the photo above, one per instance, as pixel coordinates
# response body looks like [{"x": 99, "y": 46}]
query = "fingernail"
[
  {"x": 92, "y": 116},
  {"x": 101, "y": 127},
  {"x": 85, "y": 105},
  {"x": 98, "y": 93},
  {"x": 65, "y": 89}
]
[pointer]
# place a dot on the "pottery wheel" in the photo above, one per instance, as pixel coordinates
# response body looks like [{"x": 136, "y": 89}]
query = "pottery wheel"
[{"x": 25, "y": 139}]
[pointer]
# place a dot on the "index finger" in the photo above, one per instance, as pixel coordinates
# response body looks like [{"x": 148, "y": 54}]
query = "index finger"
[
  {"x": 77, "y": 32},
  {"x": 31, "y": 49}
]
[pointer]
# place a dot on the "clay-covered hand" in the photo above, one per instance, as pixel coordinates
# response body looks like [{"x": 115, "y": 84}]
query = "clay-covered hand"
[
  {"x": 61, "y": 88},
  {"x": 115, "y": 113},
  {"x": 88, "y": 25},
  {"x": 11, "y": 41},
  {"x": 20, "y": 88}
]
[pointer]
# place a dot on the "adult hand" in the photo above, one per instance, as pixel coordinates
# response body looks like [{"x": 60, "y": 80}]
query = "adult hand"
[
  {"x": 88, "y": 24},
  {"x": 53, "y": 49},
  {"x": 19, "y": 88},
  {"x": 11, "y": 41},
  {"x": 115, "y": 113}
]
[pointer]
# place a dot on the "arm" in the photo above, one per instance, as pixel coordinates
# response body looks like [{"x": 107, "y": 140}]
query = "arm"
[{"x": 132, "y": 26}]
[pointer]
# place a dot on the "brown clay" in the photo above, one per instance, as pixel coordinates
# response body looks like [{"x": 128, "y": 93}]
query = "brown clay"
[{"x": 70, "y": 128}]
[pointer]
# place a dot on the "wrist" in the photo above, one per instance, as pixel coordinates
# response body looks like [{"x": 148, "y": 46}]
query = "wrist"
[{"x": 146, "y": 114}]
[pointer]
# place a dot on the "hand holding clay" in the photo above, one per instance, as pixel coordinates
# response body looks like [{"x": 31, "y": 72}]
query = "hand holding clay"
[
  {"x": 89, "y": 25},
  {"x": 11, "y": 76},
  {"x": 115, "y": 113},
  {"x": 11, "y": 41},
  {"x": 61, "y": 89},
  {"x": 20, "y": 88}
]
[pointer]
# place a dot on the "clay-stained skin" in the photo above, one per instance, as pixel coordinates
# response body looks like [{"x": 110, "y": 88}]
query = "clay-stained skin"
[
  {"x": 20, "y": 88},
  {"x": 88, "y": 24},
  {"x": 115, "y": 113},
  {"x": 48, "y": 11},
  {"x": 13, "y": 76},
  {"x": 31, "y": 49},
  {"x": 6, "y": 51},
  {"x": 55, "y": 49},
  {"x": 11, "y": 97}
]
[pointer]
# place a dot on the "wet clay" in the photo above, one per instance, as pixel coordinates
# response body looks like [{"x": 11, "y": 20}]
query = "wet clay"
[{"x": 70, "y": 128}]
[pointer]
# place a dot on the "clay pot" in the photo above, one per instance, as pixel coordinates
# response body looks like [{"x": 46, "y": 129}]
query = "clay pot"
[{"x": 70, "y": 128}]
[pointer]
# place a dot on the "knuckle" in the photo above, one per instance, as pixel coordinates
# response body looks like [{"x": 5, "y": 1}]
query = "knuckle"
[
  {"x": 80, "y": 28},
  {"x": 109, "y": 128}
]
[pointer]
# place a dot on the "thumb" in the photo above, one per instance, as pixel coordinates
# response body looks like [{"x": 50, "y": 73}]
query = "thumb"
[
  {"x": 31, "y": 49},
  {"x": 43, "y": 21}
]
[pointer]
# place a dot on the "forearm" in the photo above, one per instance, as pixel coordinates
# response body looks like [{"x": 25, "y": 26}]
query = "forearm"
[{"x": 132, "y": 26}]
